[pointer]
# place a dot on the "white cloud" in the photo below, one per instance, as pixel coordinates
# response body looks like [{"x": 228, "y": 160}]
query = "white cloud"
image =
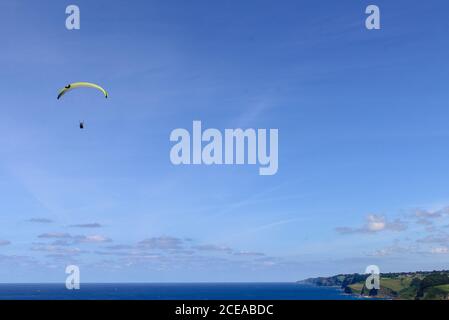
[
  {"x": 431, "y": 214},
  {"x": 440, "y": 250},
  {"x": 67, "y": 238},
  {"x": 374, "y": 224},
  {"x": 92, "y": 239}
]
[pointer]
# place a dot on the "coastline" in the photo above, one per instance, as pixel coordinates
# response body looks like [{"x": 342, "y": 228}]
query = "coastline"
[{"x": 419, "y": 285}]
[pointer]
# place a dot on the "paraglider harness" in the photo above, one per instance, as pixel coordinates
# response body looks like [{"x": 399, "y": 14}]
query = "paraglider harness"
[{"x": 81, "y": 124}]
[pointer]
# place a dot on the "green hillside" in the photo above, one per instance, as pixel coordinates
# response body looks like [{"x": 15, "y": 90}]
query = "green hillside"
[{"x": 421, "y": 285}]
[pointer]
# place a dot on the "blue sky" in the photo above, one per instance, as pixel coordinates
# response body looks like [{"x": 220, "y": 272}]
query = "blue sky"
[{"x": 363, "y": 140}]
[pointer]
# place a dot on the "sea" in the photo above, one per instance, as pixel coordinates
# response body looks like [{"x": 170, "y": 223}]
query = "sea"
[{"x": 172, "y": 291}]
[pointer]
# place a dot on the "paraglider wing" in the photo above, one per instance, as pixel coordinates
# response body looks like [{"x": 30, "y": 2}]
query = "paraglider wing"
[{"x": 81, "y": 85}]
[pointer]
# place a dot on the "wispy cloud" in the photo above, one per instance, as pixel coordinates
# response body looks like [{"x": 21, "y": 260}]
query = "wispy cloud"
[
  {"x": 119, "y": 247},
  {"x": 395, "y": 249},
  {"x": 40, "y": 220},
  {"x": 440, "y": 238},
  {"x": 177, "y": 248},
  {"x": 18, "y": 260},
  {"x": 163, "y": 242},
  {"x": 432, "y": 214},
  {"x": 67, "y": 238},
  {"x": 440, "y": 250},
  {"x": 4, "y": 242},
  {"x": 375, "y": 224},
  {"x": 92, "y": 239},
  {"x": 87, "y": 225},
  {"x": 424, "y": 222},
  {"x": 210, "y": 247},
  {"x": 249, "y": 254},
  {"x": 56, "y": 249},
  {"x": 55, "y": 235}
]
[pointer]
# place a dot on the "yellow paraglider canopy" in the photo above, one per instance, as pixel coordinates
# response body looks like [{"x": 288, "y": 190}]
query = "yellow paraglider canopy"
[{"x": 81, "y": 85}]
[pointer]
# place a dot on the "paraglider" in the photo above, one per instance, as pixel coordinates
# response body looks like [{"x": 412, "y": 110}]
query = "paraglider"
[
  {"x": 81, "y": 85},
  {"x": 76, "y": 85}
]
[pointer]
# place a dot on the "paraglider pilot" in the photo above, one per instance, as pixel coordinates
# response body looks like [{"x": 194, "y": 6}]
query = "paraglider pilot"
[{"x": 76, "y": 85}]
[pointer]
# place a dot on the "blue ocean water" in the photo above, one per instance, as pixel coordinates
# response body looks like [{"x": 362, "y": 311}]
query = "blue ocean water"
[{"x": 172, "y": 291}]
